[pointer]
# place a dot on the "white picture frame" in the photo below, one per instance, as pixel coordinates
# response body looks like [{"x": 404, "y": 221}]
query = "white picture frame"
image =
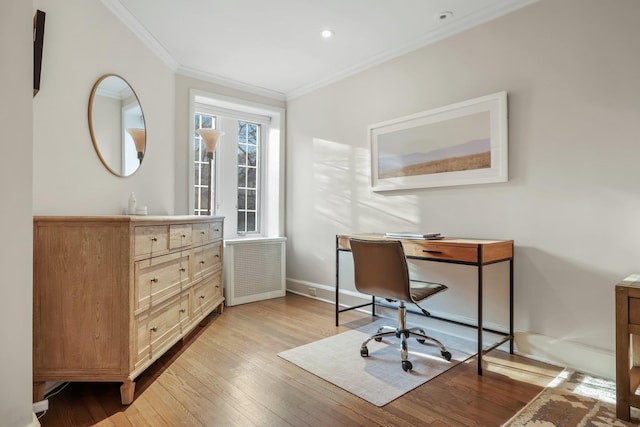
[{"x": 458, "y": 144}]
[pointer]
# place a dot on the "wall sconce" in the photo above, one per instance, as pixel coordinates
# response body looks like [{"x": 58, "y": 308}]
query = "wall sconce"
[
  {"x": 211, "y": 138},
  {"x": 139, "y": 137}
]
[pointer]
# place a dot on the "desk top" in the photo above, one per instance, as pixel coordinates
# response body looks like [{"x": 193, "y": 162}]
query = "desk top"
[
  {"x": 631, "y": 281},
  {"x": 452, "y": 249}
]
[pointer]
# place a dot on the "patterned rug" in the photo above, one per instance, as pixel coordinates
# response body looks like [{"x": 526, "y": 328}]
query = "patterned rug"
[{"x": 573, "y": 399}]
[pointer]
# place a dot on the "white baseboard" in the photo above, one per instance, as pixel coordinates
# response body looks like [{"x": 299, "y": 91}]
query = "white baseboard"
[
  {"x": 555, "y": 351},
  {"x": 34, "y": 422},
  {"x": 559, "y": 352}
]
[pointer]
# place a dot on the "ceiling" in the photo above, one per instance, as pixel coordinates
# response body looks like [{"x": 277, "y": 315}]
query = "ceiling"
[{"x": 274, "y": 47}]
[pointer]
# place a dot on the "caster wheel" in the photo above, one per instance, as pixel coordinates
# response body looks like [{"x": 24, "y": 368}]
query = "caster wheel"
[
  {"x": 420, "y": 340},
  {"x": 446, "y": 355},
  {"x": 406, "y": 366},
  {"x": 364, "y": 352},
  {"x": 378, "y": 339}
]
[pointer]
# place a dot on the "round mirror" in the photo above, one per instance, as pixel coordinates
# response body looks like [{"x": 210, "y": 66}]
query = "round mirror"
[{"x": 117, "y": 125}]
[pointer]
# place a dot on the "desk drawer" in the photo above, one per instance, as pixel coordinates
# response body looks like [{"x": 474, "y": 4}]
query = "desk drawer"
[
  {"x": 440, "y": 251},
  {"x": 634, "y": 311}
]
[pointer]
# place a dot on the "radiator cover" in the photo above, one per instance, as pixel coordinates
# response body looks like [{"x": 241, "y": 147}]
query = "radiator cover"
[{"x": 255, "y": 269}]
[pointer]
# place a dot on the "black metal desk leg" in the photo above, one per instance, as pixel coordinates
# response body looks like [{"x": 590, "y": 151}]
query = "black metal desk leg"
[
  {"x": 337, "y": 282},
  {"x": 480, "y": 325},
  {"x": 511, "y": 305}
]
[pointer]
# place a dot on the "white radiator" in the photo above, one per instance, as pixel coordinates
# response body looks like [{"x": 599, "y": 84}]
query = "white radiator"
[{"x": 255, "y": 269}]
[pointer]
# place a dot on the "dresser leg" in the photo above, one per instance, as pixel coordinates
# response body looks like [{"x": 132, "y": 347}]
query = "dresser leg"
[
  {"x": 221, "y": 308},
  {"x": 38, "y": 391},
  {"x": 127, "y": 390}
]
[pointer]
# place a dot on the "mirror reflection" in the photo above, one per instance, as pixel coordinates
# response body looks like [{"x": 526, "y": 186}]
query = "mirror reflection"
[{"x": 116, "y": 123}]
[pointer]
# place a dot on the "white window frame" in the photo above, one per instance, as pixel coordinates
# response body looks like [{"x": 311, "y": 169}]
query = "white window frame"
[{"x": 271, "y": 196}]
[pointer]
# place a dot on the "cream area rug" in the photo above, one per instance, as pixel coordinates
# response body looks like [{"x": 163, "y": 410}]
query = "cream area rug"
[
  {"x": 573, "y": 399},
  {"x": 379, "y": 378}
]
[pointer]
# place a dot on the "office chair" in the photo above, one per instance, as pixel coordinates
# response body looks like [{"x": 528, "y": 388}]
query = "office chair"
[{"x": 381, "y": 270}]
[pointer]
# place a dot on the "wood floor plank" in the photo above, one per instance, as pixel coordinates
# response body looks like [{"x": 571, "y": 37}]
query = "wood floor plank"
[{"x": 228, "y": 373}]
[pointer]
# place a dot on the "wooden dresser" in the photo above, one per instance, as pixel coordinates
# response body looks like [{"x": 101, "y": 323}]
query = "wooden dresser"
[
  {"x": 627, "y": 345},
  {"x": 113, "y": 293}
]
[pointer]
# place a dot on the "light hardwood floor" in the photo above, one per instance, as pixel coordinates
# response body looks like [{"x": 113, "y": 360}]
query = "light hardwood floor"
[{"x": 227, "y": 373}]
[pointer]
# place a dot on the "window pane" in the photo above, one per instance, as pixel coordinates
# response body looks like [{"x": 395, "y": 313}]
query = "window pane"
[
  {"x": 242, "y": 157},
  {"x": 207, "y": 122},
  {"x": 196, "y": 204},
  {"x": 241, "y": 222},
  {"x": 252, "y": 134},
  {"x": 252, "y": 155},
  {"x": 251, "y": 221},
  {"x": 251, "y": 199},
  {"x": 204, "y": 198},
  {"x": 242, "y": 132},
  {"x": 242, "y": 172},
  {"x": 251, "y": 178},
  {"x": 242, "y": 200}
]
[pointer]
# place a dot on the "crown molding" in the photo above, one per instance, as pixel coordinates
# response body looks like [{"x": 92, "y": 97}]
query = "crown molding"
[
  {"x": 141, "y": 32},
  {"x": 456, "y": 26},
  {"x": 230, "y": 83}
]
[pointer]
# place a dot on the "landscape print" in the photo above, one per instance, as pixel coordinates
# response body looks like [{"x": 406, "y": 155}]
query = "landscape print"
[{"x": 457, "y": 144}]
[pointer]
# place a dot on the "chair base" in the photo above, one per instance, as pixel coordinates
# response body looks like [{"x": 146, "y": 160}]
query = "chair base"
[{"x": 403, "y": 333}]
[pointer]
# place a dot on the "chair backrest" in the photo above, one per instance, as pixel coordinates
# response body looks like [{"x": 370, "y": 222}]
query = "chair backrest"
[{"x": 380, "y": 268}]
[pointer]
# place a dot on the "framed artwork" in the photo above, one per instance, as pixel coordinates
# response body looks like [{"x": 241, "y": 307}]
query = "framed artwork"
[{"x": 458, "y": 144}]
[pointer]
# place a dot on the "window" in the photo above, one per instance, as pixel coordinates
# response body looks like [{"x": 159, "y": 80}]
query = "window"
[
  {"x": 245, "y": 179},
  {"x": 248, "y": 176},
  {"x": 203, "y": 184}
]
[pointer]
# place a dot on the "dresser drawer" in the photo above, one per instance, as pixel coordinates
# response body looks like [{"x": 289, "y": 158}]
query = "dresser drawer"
[
  {"x": 440, "y": 251},
  {"x": 159, "y": 278},
  {"x": 207, "y": 295},
  {"x": 161, "y": 327},
  {"x": 150, "y": 241},
  {"x": 180, "y": 235},
  {"x": 200, "y": 234},
  {"x": 206, "y": 260},
  {"x": 215, "y": 230}
]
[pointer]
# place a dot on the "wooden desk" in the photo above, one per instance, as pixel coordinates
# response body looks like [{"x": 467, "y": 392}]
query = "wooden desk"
[
  {"x": 627, "y": 345},
  {"x": 474, "y": 252}
]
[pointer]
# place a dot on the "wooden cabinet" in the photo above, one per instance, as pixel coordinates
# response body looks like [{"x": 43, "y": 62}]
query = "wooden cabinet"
[
  {"x": 112, "y": 294},
  {"x": 627, "y": 345}
]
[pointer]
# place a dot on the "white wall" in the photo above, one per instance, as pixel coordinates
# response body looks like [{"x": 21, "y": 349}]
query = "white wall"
[
  {"x": 16, "y": 148},
  {"x": 572, "y": 201},
  {"x": 83, "y": 41}
]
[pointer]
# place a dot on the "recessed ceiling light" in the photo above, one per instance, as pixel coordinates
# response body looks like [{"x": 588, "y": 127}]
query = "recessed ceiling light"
[
  {"x": 442, "y": 16},
  {"x": 327, "y": 34}
]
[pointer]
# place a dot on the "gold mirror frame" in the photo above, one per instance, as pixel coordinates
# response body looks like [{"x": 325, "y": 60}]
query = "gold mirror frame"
[{"x": 117, "y": 125}]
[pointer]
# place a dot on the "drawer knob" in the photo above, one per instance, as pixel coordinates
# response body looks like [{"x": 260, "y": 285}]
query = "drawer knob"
[
  {"x": 154, "y": 329},
  {"x": 154, "y": 239},
  {"x": 202, "y": 232},
  {"x": 202, "y": 262},
  {"x": 183, "y": 235},
  {"x": 201, "y": 296},
  {"x": 154, "y": 280},
  {"x": 216, "y": 229},
  {"x": 217, "y": 256},
  {"x": 183, "y": 269},
  {"x": 182, "y": 310}
]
